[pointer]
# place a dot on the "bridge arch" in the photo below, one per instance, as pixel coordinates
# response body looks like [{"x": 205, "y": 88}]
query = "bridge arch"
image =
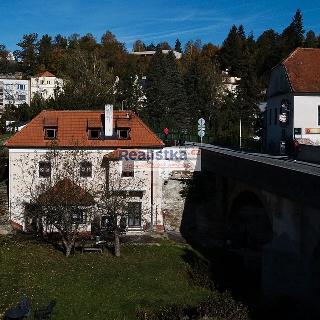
[{"x": 249, "y": 224}]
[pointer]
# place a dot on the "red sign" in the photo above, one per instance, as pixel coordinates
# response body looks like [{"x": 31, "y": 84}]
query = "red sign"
[{"x": 166, "y": 131}]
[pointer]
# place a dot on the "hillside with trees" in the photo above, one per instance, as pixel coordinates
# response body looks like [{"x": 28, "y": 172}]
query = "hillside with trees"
[{"x": 164, "y": 91}]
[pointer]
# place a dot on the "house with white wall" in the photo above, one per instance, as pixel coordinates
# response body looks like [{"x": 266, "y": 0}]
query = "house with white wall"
[
  {"x": 45, "y": 85},
  {"x": 99, "y": 135},
  {"x": 13, "y": 92},
  {"x": 293, "y": 101}
]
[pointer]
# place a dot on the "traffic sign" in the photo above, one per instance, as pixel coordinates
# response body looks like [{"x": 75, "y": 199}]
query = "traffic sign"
[
  {"x": 201, "y": 133},
  {"x": 201, "y": 122}
]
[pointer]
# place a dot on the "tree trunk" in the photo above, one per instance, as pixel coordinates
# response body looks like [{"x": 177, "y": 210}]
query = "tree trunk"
[
  {"x": 116, "y": 243},
  {"x": 68, "y": 249}
]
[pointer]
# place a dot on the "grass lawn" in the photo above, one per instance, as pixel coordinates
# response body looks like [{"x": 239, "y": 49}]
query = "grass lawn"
[{"x": 93, "y": 286}]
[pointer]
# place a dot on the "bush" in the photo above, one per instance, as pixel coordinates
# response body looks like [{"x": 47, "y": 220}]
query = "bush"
[{"x": 215, "y": 307}]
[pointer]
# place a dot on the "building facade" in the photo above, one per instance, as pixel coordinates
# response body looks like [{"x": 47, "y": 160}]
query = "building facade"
[
  {"x": 86, "y": 134},
  {"x": 45, "y": 84},
  {"x": 293, "y": 101},
  {"x": 13, "y": 92}
]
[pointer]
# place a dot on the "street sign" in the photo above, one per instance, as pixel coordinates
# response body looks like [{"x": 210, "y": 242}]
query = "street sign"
[
  {"x": 201, "y": 122},
  {"x": 201, "y": 128},
  {"x": 201, "y": 133}
]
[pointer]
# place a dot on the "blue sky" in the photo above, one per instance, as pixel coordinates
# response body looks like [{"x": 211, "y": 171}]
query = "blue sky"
[{"x": 152, "y": 20}]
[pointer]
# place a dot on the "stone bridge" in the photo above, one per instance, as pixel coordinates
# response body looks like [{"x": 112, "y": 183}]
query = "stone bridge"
[{"x": 263, "y": 210}]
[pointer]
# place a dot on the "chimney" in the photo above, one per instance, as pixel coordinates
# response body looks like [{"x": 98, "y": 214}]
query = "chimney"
[{"x": 108, "y": 120}]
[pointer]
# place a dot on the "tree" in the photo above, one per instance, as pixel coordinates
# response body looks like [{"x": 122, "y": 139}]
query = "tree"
[
  {"x": 45, "y": 53},
  {"x": 139, "y": 46},
  {"x": 117, "y": 198},
  {"x": 311, "y": 40},
  {"x": 293, "y": 36},
  {"x": 28, "y": 53},
  {"x": 62, "y": 201},
  {"x": 177, "y": 46},
  {"x": 268, "y": 54},
  {"x": 135, "y": 96}
]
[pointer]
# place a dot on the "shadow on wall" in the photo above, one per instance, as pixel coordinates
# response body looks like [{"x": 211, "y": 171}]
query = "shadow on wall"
[{"x": 232, "y": 237}]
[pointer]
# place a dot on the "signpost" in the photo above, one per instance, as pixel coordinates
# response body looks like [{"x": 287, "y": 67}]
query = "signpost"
[{"x": 201, "y": 128}]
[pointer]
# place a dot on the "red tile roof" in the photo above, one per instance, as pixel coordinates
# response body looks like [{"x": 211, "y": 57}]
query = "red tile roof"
[
  {"x": 303, "y": 70},
  {"x": 46, "y": 74},
  {"x": 73, "y": 131}
]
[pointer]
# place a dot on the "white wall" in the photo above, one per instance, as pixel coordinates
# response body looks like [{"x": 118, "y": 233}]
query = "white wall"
[
  {"x": 45, "y": 86},
  {"x": 23, "y": 177},
  {"x": 306, "y": 115},
  {"x": 11, "y": 92}
]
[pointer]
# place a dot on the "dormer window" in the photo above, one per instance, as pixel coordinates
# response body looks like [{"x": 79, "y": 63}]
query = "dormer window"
[
  {"x": 50, "y": 133},
  {"x": 94, "y": 134},
  {"x": 123, "y": 133}
]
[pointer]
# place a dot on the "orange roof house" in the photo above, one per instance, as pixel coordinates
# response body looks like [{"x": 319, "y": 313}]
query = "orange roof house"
[
  {"x": 303, "y": 70},
  {"x": 293, "y": 101},
  {"x": 73, "y": 128}
]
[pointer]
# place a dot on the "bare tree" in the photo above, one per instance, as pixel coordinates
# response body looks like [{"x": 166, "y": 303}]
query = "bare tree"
[
  {"x": 118, "y": 198},
  {"x": 61, "y": 193}
]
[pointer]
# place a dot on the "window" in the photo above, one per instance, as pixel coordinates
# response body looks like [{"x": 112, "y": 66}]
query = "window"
[
  {"x": 297, "y": 131},
  {"x": 94, "y": 134},
  {"x": 48, "y": 82},
  {"x": 21, "y": 97},
  {"x": 44, "y": 169},
  {"x": 123, "y": 133},
  {"x": 79, "y": 216},
  {"x": 275, "y": 116},
  {"x": 127, "y": 168},
  {"x": 50, "y": 133},
  {"x": 318, "y": 115},
  {"x": 85, "y": 169},
  {"x": 21, "y": 86},
  {"x": 134, "y": 214}
]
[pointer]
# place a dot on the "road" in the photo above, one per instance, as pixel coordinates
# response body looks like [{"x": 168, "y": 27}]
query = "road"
[{"x": 278, "y": 161}]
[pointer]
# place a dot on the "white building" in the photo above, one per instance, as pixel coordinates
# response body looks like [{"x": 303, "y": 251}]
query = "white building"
[
  {"x": 90, "y": 132},
  {"x": 293, "y": 101},
  {"x": 45, "y": 85},
  {"x": 13, "y": 92},
  {"x": 177, "y": 54},
  {"x": 230, "y": 83}
]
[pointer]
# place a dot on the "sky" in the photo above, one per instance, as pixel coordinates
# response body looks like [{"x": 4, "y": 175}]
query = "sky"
[{"x": 151, "y": 21}]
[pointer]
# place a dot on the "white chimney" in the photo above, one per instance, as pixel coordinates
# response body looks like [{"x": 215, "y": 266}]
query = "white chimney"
[{"x": 108, "y": 120}]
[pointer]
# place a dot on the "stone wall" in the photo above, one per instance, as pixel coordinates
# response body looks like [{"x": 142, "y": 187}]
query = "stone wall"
[{"x": 173, "y": 200}]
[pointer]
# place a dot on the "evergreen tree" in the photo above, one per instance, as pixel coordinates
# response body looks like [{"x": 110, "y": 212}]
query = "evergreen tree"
[
  {"x": 177, "y": 46},
  {"x": 45, "y": 53},
  {"x": 28, "y": 53},
  {"x": 268, "y": 55},
  {"x": 293, "y": 36},
  {"x": 231, "y": 52},
  {"x": 311, "y": 40}
]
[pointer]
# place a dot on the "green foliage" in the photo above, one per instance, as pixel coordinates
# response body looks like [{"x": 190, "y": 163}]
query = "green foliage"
[
  {"x": 95, "y": 286},
  {"x": 215, "y": 307}
]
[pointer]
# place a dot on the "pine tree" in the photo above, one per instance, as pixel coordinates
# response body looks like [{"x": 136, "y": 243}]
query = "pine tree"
[
  {"x": 293, "y": 36},
  {"x": 45, "y": 53},
  {"x": 177, "y": 46},
  {"x": 231, "y": 52},
  {"x": 311, "y": 40},
  {"x": 28, "y": 53}
]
